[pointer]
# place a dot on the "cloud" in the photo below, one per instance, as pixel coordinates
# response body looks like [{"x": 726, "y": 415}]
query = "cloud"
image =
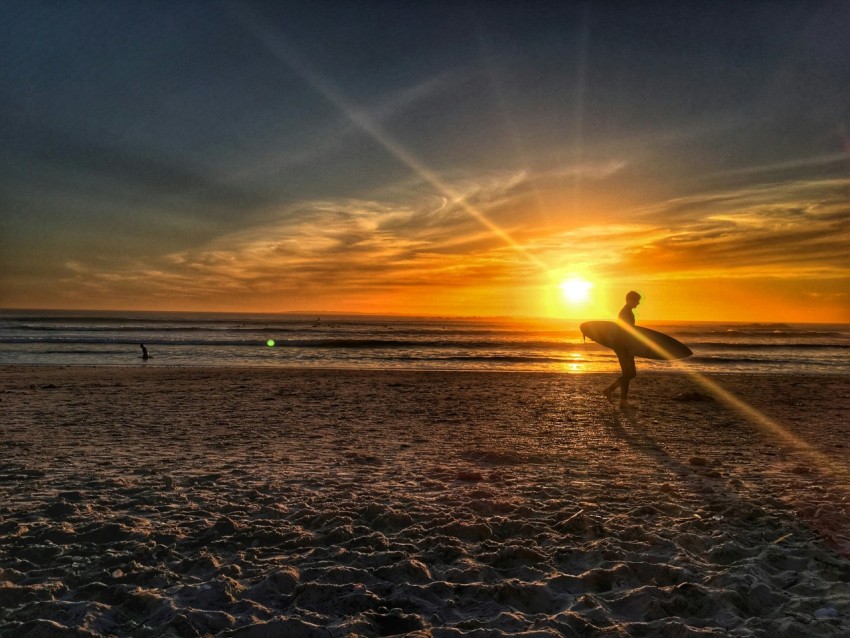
[
  {"x": 818, "y": 162},
  {"x": 798, "y": 230},
  {"x": 318, "y": 247},
  {"x": 424, "y": 245},
  {"x": 76, "y": 164},
  {"x": 590, "y": 170},
  {"x": 792, "y": 230}
]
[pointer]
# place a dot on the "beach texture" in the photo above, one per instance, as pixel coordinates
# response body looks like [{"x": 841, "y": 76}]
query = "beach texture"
[{"x": 147, "y": 501}]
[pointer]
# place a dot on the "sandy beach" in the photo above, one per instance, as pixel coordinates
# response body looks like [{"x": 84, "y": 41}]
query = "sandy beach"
[{"x": 142, "y": 501}]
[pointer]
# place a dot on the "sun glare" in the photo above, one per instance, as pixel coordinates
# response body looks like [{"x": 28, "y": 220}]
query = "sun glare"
[{"x": 576, "y": 289}]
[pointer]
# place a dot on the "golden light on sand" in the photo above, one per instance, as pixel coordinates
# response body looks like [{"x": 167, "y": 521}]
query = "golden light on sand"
[{"x": 576, "y": 290}]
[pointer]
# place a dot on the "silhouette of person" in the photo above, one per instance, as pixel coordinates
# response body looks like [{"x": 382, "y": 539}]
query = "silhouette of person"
[
  {"x": 621, "y": 348},
  {"x": 145, "y": 355}
]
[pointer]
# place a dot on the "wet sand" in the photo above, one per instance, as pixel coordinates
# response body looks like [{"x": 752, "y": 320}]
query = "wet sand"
[{"x": 148, "y": 501}]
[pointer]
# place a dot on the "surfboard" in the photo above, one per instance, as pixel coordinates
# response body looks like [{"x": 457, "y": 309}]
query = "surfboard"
[{"x": 646, "y": 343}]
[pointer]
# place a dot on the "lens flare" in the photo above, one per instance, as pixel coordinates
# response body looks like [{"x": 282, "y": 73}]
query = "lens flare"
[
  {"x": 749, "y": 412},
  {"x": 270, "y": 343},
  {"x": 284, "y": 51}
]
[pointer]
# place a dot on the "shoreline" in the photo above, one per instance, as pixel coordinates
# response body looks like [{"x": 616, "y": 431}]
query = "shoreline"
[
  {"x": 431, "y": 370},
  {"x": 326, "y": 502}
]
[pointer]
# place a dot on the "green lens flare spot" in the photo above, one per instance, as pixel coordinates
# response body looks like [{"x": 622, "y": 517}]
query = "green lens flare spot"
[{"x": 270, "y": 343}]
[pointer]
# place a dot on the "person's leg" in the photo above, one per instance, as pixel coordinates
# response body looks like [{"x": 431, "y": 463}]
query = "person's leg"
[
  {"x": 623, "y": 359},
  {"x": 627, "y": 363},
  {"x": 609, "y": 391}
]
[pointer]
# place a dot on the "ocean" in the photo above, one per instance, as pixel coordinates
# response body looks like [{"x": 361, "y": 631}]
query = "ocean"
[{"x": 333, "y": 341}]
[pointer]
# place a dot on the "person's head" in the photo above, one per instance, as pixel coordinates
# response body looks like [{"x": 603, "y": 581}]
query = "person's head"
[{"x": 632, "y": 299}]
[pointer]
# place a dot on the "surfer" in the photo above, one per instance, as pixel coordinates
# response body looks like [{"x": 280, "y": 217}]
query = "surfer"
[
  {"x": 624, "y": 356},
  {"x": 145, "y": 355}
]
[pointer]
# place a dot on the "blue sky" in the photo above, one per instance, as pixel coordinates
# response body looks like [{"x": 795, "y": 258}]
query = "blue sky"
[{"x": 416, "y": 156}]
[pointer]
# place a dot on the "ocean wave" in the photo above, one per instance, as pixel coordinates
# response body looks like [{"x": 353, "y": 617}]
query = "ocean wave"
[
  {"x": 770, "y": 334},
  {"x": 717, "y": 360},
  {"x": 759, "y": 361},
  {"x": 550, "y": 338},
  {"x": 74, "y": 328},
  {"x": 501, "y": 358},
  {"x": 720, "y": 345},
  {"x": 228, "y": 339},
  {"x": 86, "y": 352},
  {"x": 94, "y": 341},
  {"x": 347, "y": 343},
  {"x": 150, "y": 328}
]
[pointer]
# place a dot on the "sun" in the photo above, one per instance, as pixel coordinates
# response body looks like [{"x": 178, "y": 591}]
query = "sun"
[{"x": 576, "y": 290}]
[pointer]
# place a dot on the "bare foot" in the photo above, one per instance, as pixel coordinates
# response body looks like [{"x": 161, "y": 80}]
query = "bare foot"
[
  {"x": 609, "y": 394},
  {"x": 625, "y": 405}
]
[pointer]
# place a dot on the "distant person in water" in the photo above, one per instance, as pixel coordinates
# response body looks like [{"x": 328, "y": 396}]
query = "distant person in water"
[
  {"x": 145, "y": 355},
  {"x": 621, "y": 348}
]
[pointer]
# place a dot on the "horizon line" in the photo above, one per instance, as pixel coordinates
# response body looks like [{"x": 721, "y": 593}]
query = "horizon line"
[{"x": 329, "y": 313}]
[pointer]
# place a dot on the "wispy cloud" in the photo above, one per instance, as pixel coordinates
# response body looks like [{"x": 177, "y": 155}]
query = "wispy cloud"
[
  {"x": 791, "y": 230},
  {"x": 819, "y": 161},
  {"x": 319, "y": 247},
  {"x": 351, "y": 248}
]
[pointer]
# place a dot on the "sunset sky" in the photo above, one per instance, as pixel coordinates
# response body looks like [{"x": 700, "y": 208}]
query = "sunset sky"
[{"x": 433, "y": 158}]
